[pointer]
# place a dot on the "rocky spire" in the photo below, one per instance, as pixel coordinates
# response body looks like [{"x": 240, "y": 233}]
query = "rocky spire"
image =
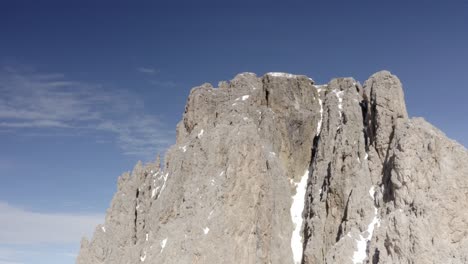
[{"x": 277, "y": 169}]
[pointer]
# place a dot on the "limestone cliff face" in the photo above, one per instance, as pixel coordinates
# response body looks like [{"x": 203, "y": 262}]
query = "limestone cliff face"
[{"x": 276, "y": 169}]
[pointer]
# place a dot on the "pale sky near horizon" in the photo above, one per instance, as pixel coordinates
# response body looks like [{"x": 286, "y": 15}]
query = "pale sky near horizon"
[{"x": 87, "y": 88}]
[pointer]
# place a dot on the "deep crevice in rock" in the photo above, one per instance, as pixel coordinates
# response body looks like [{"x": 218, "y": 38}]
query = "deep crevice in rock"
[
  {"x": 326, "y": 183},
  {"x": 365, "y": 110},
  {"x": 376, "y": 256},
  {"x": 136, "y": 217},
  {"x": 308, "y": 213},
  {"x": 343, "y": 219},
  {"x": 388, "y": 164}
]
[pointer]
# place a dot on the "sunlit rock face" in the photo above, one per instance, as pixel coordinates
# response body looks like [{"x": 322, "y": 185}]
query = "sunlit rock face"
[{"x": 277, "y": 169}]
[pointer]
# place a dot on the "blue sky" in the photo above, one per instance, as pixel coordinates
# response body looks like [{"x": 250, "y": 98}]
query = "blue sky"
[{"x": 87, "y": 88}]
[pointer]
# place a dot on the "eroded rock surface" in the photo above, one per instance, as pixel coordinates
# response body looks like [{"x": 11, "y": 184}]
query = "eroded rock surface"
[{"x": 276, "y": 169}]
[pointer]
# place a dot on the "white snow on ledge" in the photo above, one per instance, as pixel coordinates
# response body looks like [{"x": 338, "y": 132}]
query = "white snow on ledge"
[
  {"x": 163, "y": 244},
  {"x": 282, "y": 74},
  {"x": 360, "y": 254},
  {"x": 297, "y": 208},
  {"x": 319, "y": 125},
  {"x": 243, "y": 98},
  {"x": 143, "y": 258},
  {"x": 339, "y": 96}
]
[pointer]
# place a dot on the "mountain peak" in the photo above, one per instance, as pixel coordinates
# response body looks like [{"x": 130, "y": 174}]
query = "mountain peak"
[{"x": 276, "y": 169}]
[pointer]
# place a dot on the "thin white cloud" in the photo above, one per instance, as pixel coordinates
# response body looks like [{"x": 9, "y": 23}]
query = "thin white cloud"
[
  {"x": 146, "y": 70},
  {"x": 45, "y": 101},
  {"x": 163, "y": 84},
  {"x": 21, "y": 226},
  {"x": 34, "y": 123}
]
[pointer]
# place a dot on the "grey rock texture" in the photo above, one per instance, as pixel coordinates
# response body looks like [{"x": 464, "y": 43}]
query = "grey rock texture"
[{"x": 276, "y": 169}]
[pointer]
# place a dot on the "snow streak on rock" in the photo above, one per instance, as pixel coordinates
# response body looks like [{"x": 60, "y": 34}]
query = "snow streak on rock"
[
  {"x": 319, "y": 125},
  {"x": 361, "y": 253},
  {"x": 297, "y": 208}
]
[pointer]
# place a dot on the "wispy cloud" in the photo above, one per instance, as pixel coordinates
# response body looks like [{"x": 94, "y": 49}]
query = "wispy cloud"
[
  {"x": 22, "y": 226},
  {"x": 147, "y": 70},
  {"x": 163, "y": 84},
  {"x": 40, "y": 102}
]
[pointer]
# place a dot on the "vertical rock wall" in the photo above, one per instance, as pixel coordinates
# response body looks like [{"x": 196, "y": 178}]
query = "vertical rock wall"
[{"x": 276, "y": 169}]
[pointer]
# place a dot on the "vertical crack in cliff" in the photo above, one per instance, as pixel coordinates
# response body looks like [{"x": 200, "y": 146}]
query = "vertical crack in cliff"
[
  {"x": 326, "y": 183},
  {"x": 388, "y": 191},
  {"x": 267, "y": 93},
  {"x": 370, "y": 132},
  {"x": 307, "y": 212},
  {"x": 365, "y": 111},
  {"x": 343, "y": 219},
  {"x": 135, "y": 220}
]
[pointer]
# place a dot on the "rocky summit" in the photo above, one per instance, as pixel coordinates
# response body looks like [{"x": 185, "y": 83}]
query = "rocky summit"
[{"x": 276, "y": 169}]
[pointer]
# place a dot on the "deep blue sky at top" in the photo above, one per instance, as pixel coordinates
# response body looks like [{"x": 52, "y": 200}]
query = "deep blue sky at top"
[
  {"x": 151, "y": 53},
  {"x": 191, "y": 42}
]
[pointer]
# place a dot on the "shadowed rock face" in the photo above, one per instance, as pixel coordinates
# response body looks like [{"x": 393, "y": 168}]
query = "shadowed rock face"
[{"x": 276, "y": 169}]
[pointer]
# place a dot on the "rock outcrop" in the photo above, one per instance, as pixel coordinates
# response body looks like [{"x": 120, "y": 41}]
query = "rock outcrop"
[{"x": 276, "y": 169}]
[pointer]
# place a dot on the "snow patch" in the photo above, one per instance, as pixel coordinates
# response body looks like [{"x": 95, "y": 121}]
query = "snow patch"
[
  {"x": 147, "y": 236},
  {"x": 297, "y": 208},
  {"x": 245, "y": 118},
  {"x": 366, "y": 156},
  {"x": 221, "y": 173},
  {"x": 243, "y": 98},
  {"x": 153, "y": 192},
  {"x": 339, "y": 95},
  {"x": 282, "y": 74},
  {"x": 143, "y": 258},
  {"x": 164, "y": 184},
  {"x": 200, "y": 134},
  {"x": 372, "y": 192},
  {"x": 184, "y": 148},
  {"x": 206, "y": 230},
  {"x": 211, "y": 213},
  {"x": 361, "y": 253},
  {"x": 319, "y": 125},
  {"x": 103, "y": 228},
  {"x": 163, "y": 244}
]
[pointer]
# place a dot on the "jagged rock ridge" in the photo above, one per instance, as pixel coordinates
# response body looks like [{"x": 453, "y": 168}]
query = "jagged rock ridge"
[{"x": 276, "y": 169}]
